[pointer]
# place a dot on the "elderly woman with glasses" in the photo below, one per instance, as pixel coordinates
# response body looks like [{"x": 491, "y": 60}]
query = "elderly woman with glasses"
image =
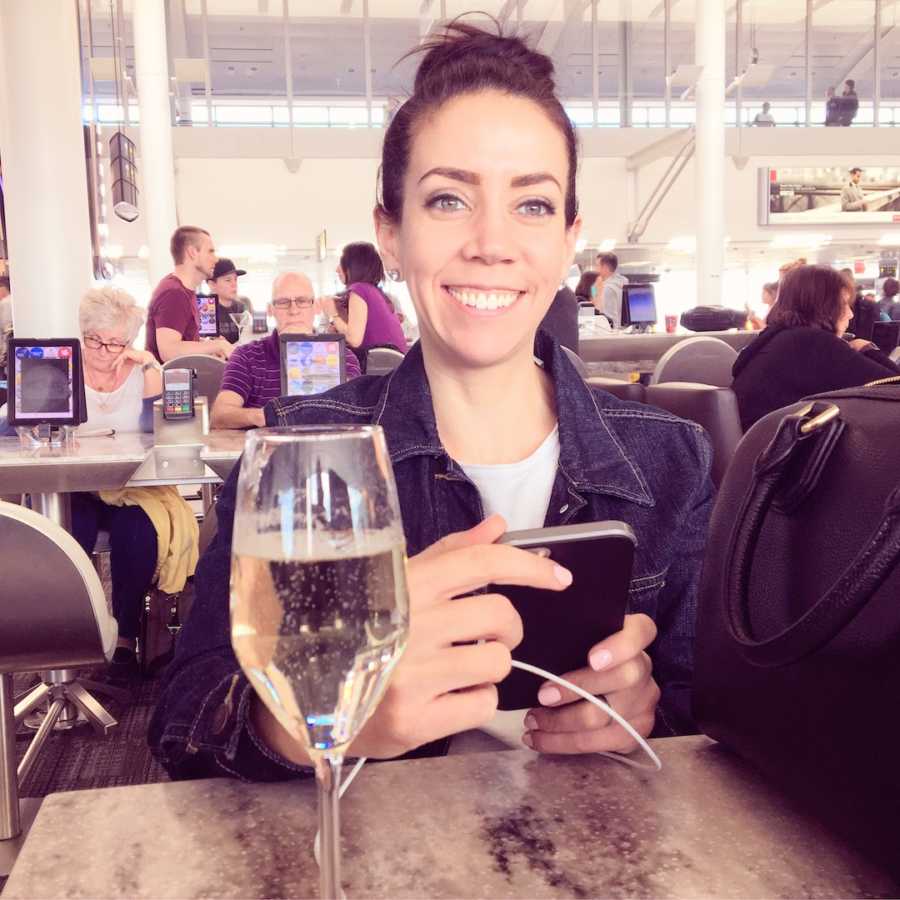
[
  {"x": 253, "y": 374},
  {"x": 121, "y": 384}
]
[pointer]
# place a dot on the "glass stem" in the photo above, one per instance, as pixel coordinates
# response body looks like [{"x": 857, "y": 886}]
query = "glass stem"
[{"x": 328, "y": 777}]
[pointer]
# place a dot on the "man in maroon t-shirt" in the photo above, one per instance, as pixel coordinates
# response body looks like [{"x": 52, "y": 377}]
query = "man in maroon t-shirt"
[{"x": 173, "y": 320}]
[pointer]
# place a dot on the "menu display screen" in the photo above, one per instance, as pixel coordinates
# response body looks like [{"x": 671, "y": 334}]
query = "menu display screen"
[
  {"x": 208, "y": 307},
  {"x": 311, "y": 364},
  {"x": 44, "y": 382}
]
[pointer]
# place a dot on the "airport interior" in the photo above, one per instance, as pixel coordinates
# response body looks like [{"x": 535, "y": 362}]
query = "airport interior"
[{"x": 449, "y": 448}]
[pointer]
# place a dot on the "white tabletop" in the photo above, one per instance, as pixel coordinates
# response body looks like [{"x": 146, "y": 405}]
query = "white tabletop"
[{"x": 112, "y": 462}]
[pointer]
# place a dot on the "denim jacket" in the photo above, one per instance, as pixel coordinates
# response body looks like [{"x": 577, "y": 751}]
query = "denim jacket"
[{"x": 618, "y": 460}]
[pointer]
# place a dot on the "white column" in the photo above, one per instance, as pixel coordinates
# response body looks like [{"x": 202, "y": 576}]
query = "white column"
[
  {"x": 157, "y": 160},
  {"x": 44, "y": 169},
  {"x": 709, "y": 163}
]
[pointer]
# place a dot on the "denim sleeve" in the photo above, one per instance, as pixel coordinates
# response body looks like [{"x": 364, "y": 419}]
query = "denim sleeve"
[
  {"x": 673, "y": 649},
  {"x": 201, "y": 726}
]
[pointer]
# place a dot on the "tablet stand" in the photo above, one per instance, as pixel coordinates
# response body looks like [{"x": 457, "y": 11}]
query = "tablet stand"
[{"x": 45, "y": 435}]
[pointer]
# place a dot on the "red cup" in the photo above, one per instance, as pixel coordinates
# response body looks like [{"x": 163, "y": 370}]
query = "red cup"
[{"x": 671, "y": 324}]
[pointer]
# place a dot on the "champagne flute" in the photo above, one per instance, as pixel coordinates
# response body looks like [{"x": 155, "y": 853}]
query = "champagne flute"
[
  {"x": 319, "y": 607},
  {"x": 243, "y": 322}
]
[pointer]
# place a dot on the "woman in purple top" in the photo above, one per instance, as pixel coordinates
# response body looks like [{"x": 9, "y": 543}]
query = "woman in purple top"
[{"x": 370, "y": 320}]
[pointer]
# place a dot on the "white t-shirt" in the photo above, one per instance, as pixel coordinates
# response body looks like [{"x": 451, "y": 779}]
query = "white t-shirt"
[
  {"x": 119, "y": 409},
  {"x": 520, "y": 492}
]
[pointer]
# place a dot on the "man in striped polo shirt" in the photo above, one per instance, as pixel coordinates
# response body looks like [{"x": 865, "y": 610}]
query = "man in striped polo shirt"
[{"x": 253, "y": 374}]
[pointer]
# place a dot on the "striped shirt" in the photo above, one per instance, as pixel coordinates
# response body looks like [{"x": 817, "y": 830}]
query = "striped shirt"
[{"x": 254, "y": 371}]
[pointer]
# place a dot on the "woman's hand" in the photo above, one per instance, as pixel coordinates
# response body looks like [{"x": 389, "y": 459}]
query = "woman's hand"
[
  {"x": 861, "y": 344},
  {"x": 132, "y": 354},
  {"x": 445, "y": 682},
  {"x": 329, "y": 306},
  {"x": 620, "y": 669}
]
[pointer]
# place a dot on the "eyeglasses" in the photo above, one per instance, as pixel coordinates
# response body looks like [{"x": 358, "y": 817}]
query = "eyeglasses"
[
  {"x": 92, "y": 342},
  {"x": 298, "y": 302}
]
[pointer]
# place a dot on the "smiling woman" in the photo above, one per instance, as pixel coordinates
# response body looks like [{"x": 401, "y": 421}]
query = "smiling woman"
[{"x": 490, "y": 428}]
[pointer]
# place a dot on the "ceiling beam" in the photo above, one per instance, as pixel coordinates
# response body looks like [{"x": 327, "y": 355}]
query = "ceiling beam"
[{"x": 553, "y": 30}]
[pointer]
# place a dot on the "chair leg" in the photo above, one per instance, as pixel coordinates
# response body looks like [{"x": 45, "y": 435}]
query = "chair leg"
[
  {"x": 34, "y": 698},
  {"x": 38, "y": 741},
  {"x": 102, "y": 721},
  {"x": 10, "y": 825}
]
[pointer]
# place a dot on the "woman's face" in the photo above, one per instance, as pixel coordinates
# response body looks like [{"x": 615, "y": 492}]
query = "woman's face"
[
  {"x": 768, "y": 298},
  {"x": 483, "y": 244},
  {"x": 846, "y": 313},
  {"x": 102, "y": 347}
]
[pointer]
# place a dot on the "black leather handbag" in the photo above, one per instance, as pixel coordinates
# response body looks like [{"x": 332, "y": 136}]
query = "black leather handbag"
[{"x": 797, "y": 658}]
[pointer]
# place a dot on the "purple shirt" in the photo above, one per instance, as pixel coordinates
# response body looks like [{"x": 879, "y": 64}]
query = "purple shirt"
[
  {"x": 253, "y": 371},
  {"x": 172, "y": 306},
  {"x": 382, "y": 326}
]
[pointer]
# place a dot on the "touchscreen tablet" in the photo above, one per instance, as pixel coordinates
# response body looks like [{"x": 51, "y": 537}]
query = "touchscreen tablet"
[
  {"x": 311, "y": 363},
  {"x": 46, "y": 382},
  {"x": 208, "y": 307}
]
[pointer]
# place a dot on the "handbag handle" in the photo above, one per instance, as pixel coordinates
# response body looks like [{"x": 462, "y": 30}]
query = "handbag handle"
[{"x": 852, "y": 590}]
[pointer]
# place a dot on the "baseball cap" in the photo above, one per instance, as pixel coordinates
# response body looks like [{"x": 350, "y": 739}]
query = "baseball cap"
[{"x": 225, "y": 267}]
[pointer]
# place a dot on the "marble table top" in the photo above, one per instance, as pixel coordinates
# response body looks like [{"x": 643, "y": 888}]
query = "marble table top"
[
  {"x": 110, "y": 462},
  {"x": 501, "y": 824}
]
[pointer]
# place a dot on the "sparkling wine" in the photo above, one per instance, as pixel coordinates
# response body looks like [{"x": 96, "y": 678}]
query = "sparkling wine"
[{"x": 319, "y": 635}]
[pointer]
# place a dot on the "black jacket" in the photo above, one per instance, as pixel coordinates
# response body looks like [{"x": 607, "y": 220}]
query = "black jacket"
[{"x": 783, "y": 365}]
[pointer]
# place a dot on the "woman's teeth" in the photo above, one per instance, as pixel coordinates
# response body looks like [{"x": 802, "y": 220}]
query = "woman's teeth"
[{"x": 484, "y": 299}]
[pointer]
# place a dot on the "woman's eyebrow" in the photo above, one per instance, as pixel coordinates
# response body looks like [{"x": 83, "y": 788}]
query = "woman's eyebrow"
[{"x": 473, "y": 178}]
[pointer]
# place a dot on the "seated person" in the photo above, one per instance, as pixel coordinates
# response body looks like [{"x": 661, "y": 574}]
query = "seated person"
[
  {"x": 888, "y": 305},
  {"x": 801, "y": 352},
  {"x": 478, "y": 212},
  {"x": 758, "y": 316},
  {"x": 369, "y": 321},
  {"x": 121, "y": 383},
  {"x": 253, "y": 374}
]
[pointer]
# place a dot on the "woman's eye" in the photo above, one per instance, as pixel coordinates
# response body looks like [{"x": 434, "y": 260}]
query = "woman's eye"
[
  {"x": 446, "y": 203},
  {"x": 537, "y": 208}
]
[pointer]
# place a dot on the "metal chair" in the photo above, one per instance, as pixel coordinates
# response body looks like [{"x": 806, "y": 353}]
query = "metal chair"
[
  {"x": 381, "y": 360},
  {"x": 700, "y": 360},
  {"x": 715, "y": 408},
  {"x": 53, "y": 616},
  {"x": 633, "y": 391},
  {"x": 210, "y": 371}
]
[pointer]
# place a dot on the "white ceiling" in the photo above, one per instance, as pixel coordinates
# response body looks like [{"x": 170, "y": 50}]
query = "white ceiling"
[{"x": 246, "y": 41}]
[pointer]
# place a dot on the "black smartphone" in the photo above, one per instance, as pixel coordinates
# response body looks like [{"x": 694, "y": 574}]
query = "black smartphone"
[
  {"x": 178, "y": 393},
  {"x": 562, "y": 626}
]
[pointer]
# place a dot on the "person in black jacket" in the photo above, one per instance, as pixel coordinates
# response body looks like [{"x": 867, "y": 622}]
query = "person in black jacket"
[{"x": 801, "y": 351}]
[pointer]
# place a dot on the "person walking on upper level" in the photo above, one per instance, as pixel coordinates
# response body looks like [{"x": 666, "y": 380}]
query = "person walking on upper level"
[
  {"x": 832, "y": 108},
  {"x": 173, "y": 320},
  {"x": 849, "y": 103},
  {"x": 764, "y": 119}
]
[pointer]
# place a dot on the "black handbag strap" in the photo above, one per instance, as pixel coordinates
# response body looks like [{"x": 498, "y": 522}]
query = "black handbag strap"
[{"x": 820, "y": 423}]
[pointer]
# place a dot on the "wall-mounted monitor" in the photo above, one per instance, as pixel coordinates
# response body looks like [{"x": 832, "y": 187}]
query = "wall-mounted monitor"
[{"x": 830, "y": 195}]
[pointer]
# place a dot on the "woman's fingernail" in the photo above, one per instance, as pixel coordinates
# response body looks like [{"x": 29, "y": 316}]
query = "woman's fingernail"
[
  {"x": 600, "y": 659},
  {"x": 547, "y": 696},
  {"x": 563, "y": 576},
  {"x": 530, "y": 722},
  {"x": 527, "y": 741}
]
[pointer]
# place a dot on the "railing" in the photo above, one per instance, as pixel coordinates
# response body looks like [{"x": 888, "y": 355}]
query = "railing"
[{"x": 268, "y": 113}]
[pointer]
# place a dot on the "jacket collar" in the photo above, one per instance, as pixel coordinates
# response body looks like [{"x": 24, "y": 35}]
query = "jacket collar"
[{"x": 591, "y": 455}]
